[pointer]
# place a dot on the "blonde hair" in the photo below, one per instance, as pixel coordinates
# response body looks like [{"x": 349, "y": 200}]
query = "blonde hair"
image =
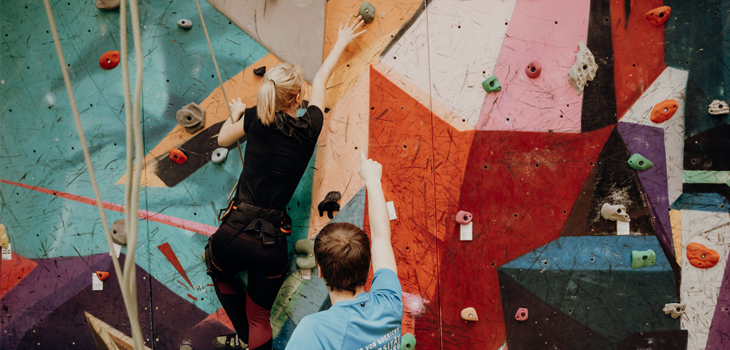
[{"x": 281, "y": 85}]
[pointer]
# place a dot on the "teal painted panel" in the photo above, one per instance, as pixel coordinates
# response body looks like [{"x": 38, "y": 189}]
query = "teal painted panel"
[
  {"x": 694, "y": 40},
  {"x": 591, "y": 280},
  {"x": 354, "y": 211},
  {"x": 713, "y": 202}
]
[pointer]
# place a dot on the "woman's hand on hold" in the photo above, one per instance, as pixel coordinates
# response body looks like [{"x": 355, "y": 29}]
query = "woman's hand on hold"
[
  {"x": 237, "y": 109},
  {"x": 370, "y": 171},
  {"x": 349, "y": 32}
]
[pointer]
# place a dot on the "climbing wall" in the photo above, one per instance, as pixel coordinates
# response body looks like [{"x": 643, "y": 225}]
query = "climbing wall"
[{"x": 541, "y": 164}]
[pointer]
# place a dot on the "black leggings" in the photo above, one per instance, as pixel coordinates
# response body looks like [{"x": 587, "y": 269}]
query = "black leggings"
[{"x": 249, "y": 308}]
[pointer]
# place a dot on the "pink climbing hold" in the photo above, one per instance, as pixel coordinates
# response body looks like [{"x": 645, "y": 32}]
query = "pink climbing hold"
[
  {"x": 533, "y": 69},
  {"x": 522, "y": 314},
  {"x": 463, "y": 217}
]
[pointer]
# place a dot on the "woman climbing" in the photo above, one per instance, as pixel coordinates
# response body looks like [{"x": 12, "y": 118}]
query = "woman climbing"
[{"x": 253, "y": 234}]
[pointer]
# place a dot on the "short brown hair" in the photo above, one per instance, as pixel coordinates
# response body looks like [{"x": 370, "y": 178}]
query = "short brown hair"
[{"x": 342, "y": 251}]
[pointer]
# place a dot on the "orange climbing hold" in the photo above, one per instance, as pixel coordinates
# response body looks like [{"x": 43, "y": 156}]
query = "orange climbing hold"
[
  {"x": 103, "y": 275},
  {"x": 663, "y": 111},
  {"x": 109, "y": 60},
  {"x": 659, "y": 15},
  {"x": 178, "y": 156},
  {"x": 702, "y": 257}
]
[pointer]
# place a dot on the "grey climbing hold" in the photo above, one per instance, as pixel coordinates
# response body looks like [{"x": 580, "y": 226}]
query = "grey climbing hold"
[
  {"x": 260, "y": 71},
  {"x": 638, "y": 162},
  {"x": 329, "y": 204},
  {"x": 306, "y": 247},
  {"x": 191, "y": 117},
  {"x": 219, "y": 155},
  {"x": 185, "y": 23},
  {"x": 367, "y": 11},
  {"x": 119, "y": 233},
  {"x": 107, "y": 4}
]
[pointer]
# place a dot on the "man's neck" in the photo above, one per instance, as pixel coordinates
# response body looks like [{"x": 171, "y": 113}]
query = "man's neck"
[{"x": 336, "y": 296}]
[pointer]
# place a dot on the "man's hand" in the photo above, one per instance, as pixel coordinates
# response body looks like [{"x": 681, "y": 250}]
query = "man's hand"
[{"x": 370, "y": 171}]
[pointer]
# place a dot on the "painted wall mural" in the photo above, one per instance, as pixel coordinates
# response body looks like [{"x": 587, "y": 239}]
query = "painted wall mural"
[{"x": 468, "y": 106}]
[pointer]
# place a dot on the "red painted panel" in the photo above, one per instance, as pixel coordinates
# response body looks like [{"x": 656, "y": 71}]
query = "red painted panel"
[
  {"x": 402, "y": 134},
  {"x": 520, "y": 187},
  {"x": 638, "y": 50},
  {"x": 166, "y": 250},
  {"x": 13, "y": 271}
]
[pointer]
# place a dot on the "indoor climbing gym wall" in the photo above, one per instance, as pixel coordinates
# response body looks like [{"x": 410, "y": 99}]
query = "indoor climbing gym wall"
[{"x": 558, "y": 169}]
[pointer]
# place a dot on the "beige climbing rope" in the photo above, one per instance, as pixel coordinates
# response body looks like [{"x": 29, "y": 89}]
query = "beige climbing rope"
[
  {"x": 127, "y": 281},
  {"x": 220, "y": 80}
]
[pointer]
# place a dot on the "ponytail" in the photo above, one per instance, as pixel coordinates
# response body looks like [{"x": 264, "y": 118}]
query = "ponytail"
[
  {"x": 282, "y": 84},
  {"x": 266, "y": 102}
]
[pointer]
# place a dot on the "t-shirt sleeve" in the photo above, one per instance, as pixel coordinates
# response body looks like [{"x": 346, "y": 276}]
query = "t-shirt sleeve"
[
  {"x": 249, "y": 117},
  {"x": 386, "y": 286},
  {"x": 316, "y": 118},
  {"x": 303, "y": 336}
]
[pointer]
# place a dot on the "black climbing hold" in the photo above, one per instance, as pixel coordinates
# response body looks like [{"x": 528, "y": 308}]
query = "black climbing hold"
[
  {"x": 260, "y": 71},
  {"x": 329, "y": 204}
]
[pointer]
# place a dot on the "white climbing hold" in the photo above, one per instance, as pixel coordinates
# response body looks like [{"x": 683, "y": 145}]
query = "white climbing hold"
[
  {"x": 219, "y": 155},
  {"x": 185, "y": 23},
  {"x": 718, "y": 107},
  {"x": 584, "y": 69},
  {"x": 615, "y": 212},
  {"x": 674, "y": 309}
]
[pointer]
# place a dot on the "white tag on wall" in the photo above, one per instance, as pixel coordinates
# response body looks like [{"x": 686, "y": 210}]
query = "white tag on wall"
[
  {"x": 465, "y": 232},
  {"x": 623, "y": 228},
  {"x": 96, "y": 283},
  {"x": 117, "y": 249},
  {"x": 306, "y": 274},
  {"x": 7, "y": 252},
  {"x": 391, "y": 210}
]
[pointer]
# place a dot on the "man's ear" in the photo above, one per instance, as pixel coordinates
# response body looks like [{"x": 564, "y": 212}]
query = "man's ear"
[{"x": 319, "y": 271}]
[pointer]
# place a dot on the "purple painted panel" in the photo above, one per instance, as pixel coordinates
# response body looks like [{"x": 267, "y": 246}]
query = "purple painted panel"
[
  {"x": 649, "y": 142},
  {"x": 719, "y": 336},
  {"x": 49, "y": 285}
]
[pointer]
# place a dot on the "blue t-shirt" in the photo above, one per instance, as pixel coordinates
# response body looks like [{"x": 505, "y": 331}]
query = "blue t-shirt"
[{"x": 370, "y": 321}]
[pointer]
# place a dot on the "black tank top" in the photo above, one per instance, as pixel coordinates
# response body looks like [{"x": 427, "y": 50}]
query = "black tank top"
[{"x": 276, "y": 156}]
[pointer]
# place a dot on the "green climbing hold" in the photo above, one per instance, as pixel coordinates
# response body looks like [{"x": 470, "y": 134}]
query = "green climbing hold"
[
  {"x": 306, "y": 247},
  {"x": 646, "y": 258},
  {"x": 638, "y": 162},
  {"x": 408, "y": 342},
  {"x": 367, "y": 11},
  {"x": 491, "y": 84}
]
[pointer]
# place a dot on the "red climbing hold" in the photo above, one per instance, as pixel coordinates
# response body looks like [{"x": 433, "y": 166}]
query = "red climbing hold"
[
  {"x": 533, "y": 69},
  {"x": 663, "y": 111},
  {"x": 178, "y": 156},
  {"x": 702, "y": 257},
  {"x": 659, "y": 15},
  {"x": 109, "y": 60},
  {"x": 103, "y": 275}
]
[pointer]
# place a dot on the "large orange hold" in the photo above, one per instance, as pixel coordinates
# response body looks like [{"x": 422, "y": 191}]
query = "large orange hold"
[
  {"x": 109, "y": 59},
  {"x": 663, "y": 111},
  {"x": 702, "y": 257},
  {"x": 177, "y": 156},
  {"x": 659, "y": 15}
]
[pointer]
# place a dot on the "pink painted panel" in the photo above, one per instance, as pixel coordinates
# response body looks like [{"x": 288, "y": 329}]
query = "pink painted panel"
[{"x": 547, "y": 32}]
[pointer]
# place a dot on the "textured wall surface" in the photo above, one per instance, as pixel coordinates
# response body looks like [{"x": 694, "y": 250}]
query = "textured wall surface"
[{"x": 534, "y": 163}]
